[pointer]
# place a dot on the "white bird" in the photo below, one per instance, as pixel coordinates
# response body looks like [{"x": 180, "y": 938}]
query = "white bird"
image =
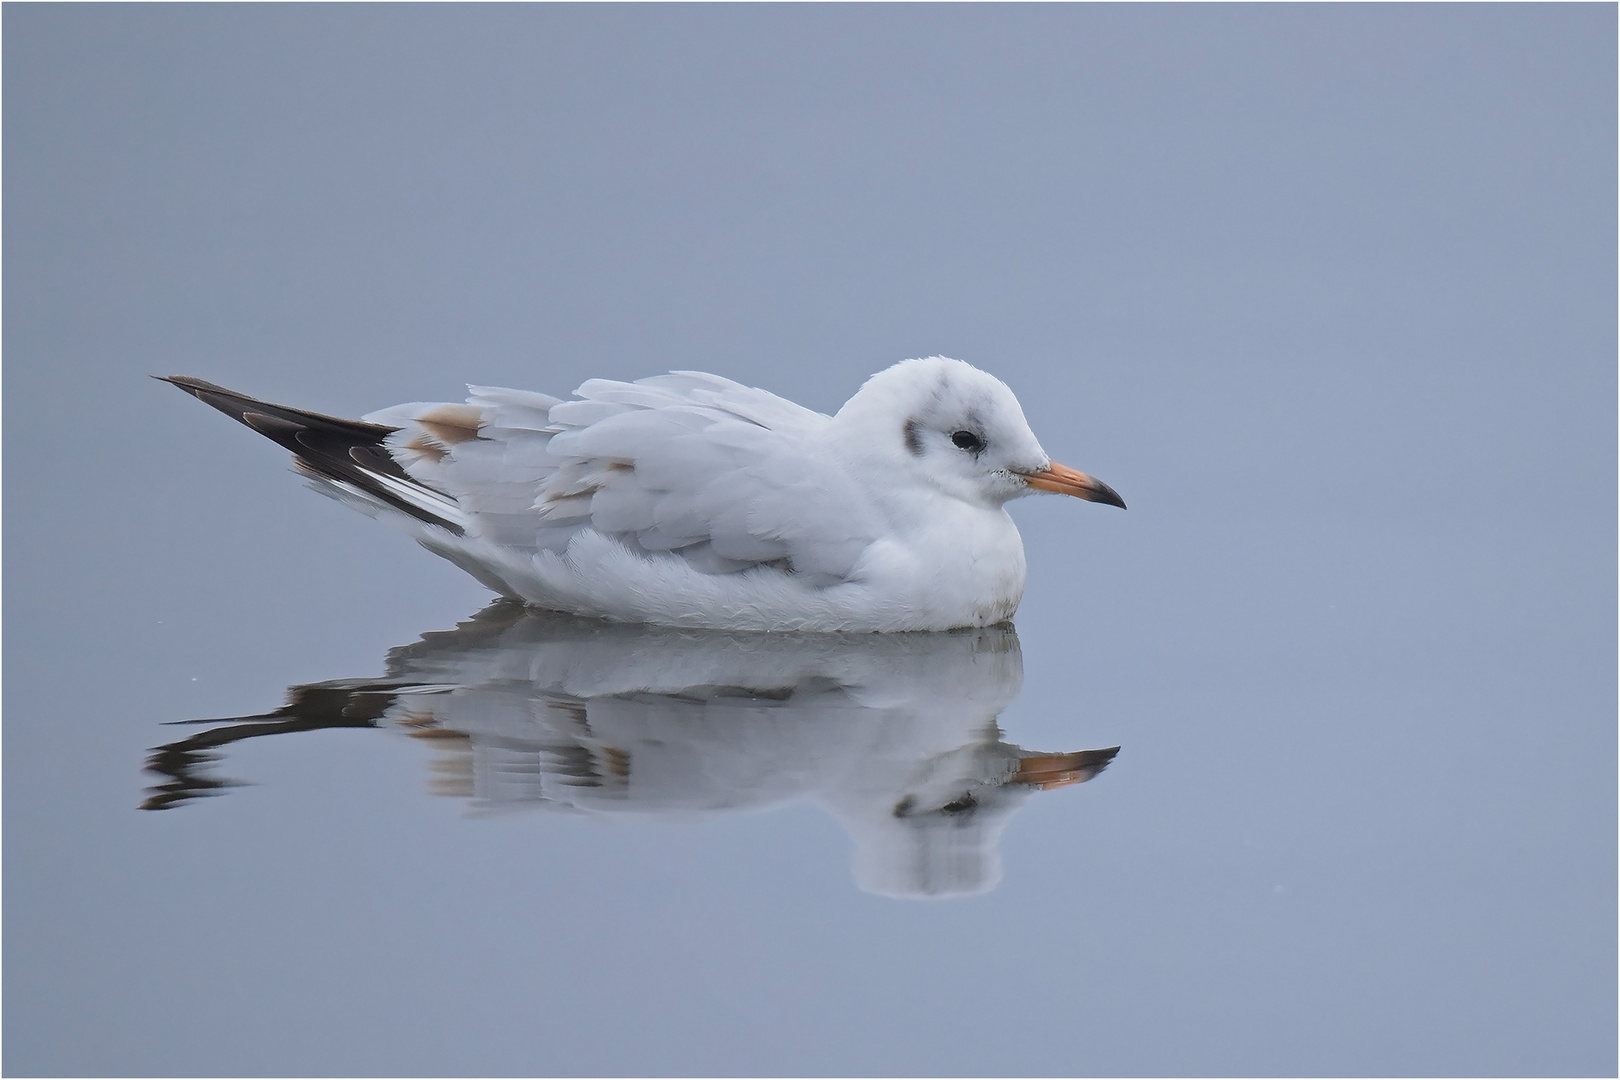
[{"x": 690, "y": 500}]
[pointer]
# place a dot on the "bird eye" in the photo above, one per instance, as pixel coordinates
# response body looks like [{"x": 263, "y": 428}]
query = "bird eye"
[{"x": 966, "y": 440}]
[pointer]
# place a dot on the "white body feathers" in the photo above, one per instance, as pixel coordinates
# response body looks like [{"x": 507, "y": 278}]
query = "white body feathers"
[{"x": 690, "y": 500}]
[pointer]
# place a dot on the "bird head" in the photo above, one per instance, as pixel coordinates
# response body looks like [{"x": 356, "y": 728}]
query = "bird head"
[{"x": 960, "y": 430}]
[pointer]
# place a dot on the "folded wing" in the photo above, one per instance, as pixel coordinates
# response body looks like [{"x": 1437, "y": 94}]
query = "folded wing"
[{"x": 723, "y": 476}]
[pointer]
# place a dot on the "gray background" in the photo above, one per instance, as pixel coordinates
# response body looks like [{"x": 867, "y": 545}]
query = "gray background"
[{"x": 1326, "y": 292}]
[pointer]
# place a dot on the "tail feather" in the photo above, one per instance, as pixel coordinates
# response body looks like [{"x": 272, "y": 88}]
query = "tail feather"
[{"x": 349, "y": 453}]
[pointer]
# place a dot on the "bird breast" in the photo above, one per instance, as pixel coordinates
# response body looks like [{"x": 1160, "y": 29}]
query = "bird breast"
[{"x": 962, "y": 567}]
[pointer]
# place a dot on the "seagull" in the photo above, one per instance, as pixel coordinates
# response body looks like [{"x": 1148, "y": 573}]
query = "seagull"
[{"x": 690, "y": 500}]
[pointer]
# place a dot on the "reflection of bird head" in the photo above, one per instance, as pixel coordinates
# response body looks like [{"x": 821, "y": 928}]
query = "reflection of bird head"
[{"x": 940, "y": 837}]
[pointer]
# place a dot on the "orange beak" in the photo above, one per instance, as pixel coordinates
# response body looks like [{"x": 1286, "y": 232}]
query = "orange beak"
[
  {"x": 1067, "y": 481},
  {"x": 1047, "y": 771}
]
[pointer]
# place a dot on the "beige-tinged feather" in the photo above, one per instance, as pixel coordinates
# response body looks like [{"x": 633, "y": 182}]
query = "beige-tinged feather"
[
  {"x": 452, "y": 424},
  {"x": 425, "y": 446}
]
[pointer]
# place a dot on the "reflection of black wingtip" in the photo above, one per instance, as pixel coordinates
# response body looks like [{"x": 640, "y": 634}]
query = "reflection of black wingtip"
[
  {"x": 312, "y": 708},
  {"x": 201, "y": 720},
  {"x": 185, "y": 781}
]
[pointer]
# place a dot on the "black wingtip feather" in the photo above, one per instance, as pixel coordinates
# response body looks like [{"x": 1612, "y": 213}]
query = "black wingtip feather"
[
  {"x": 348, "y": 451},
  {"x": 236, "y": 405}
]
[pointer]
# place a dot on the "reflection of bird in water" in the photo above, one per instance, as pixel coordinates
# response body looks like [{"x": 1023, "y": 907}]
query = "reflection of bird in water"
[
  {"x": 894, "y": 734},
  {"x": 690, "y": 500}
]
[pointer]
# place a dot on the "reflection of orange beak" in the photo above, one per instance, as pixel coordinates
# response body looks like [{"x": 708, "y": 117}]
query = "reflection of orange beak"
[
  {"x": 1067, "y": 481},
  {"x": 1046, "y": 771}
]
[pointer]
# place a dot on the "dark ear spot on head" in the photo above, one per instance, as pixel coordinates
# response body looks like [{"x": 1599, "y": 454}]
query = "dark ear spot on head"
[{"x": 913, "y": 433}]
